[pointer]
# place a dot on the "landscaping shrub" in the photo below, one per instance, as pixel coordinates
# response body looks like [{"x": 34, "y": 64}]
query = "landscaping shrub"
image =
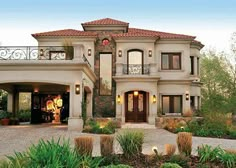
[
  {"x": 170, "y": 149},
  {"x": 24, "y": 115},
  {"x": 93, "y": 126},
  {"x": 50, "y": 154},
  {"x": 106, "y": 144},
  {"x": 210, "y": 154},
  {"x": 184, "y": 142},
  {"x": 110, "y": 160},
  {"x": 181, "y": 160},
  {"x": 170, "y": 165},
  {"x": 131, "y": 143},
  {"x": 84, "y": 145}
]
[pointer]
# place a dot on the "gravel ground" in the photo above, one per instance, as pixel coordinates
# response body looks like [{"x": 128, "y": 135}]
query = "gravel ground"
[{"x": 18, "y": 138}]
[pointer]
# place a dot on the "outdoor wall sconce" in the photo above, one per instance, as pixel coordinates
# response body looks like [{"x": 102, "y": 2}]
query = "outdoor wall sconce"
[
  {"x": 187, "y": 95},
  {"x": 135, "y": 93},
  {"x": 150, "y": 53},
  {"x": 36, "y": 90},
  {"x": 154, "y": 99},
  {"x": 120, "y": 53},
  {"x": 89, "y": 52},
  {"x": 41, "y": 52},
  {"x": 118, "y": 99},
  {"x": 77, "y": 89}
]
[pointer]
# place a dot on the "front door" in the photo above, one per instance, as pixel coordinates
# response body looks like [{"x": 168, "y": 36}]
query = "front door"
[{"x": 135, "y": 106}]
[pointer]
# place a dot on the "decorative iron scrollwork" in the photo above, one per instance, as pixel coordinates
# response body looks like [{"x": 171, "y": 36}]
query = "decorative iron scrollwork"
[{"x": 136, "y": 69}]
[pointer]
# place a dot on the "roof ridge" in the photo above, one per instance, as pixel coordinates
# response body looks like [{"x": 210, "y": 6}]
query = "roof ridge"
[
  {"x": 155, "y": 31},
  {"x": 105, "y": 21}
]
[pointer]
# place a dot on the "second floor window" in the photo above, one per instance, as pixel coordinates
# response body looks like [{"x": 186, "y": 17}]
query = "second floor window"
[
  {"x": 171, "y": 61},
  {"x": 192, "y": 65}
]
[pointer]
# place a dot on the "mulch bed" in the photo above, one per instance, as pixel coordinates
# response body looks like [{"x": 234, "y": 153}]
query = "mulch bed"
[{"x": 152, "y": 161}]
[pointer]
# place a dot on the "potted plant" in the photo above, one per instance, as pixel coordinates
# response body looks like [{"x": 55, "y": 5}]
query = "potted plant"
[{"x": 4, "y": 117}]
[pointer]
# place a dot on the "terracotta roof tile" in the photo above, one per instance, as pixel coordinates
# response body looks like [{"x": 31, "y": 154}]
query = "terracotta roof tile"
[
  {"x": 134, "y": 32},
  {"x": 66, "y": 32},
  {"x": 106, "y": 21}
]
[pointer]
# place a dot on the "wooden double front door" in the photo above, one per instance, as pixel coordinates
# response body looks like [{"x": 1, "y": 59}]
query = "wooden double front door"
[{"x": 135, "y": 109}]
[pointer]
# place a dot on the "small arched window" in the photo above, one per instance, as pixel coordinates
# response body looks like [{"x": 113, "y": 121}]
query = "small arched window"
[{"x": 135, "y": 62}]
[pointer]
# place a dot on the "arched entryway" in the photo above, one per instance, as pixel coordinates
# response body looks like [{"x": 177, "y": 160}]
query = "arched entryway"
[{"x": 136, "y": 106}]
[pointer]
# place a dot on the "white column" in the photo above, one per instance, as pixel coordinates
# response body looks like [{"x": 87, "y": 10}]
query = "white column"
[
  {"x": 10, "y": 102},
  {"x": 75, "y": 121},
  {"x": 195, "y": 65},
  {"x": 152, "y": 110}
]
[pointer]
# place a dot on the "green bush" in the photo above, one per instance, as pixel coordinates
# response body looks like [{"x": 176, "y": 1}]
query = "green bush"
[
  {"x": 118, "y": 166},
  {"x": 210, "y": 154},
  {"x": 181, "y": 160},
  {"x": 4, "y": 114},
  {"x": 109, "y": 128},
  {"x": 110, "y": 160},
  {"x": 131, "y": 142},
  {"x": 170, "y": 165},
  {"x": 24, "y": 115},
  {"x": 51, "y": 154}
]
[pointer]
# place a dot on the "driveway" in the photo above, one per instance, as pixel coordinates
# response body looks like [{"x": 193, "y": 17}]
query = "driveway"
[{"x": 18, "y": 138}]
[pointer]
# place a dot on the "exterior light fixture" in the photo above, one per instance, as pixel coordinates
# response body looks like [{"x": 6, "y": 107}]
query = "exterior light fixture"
[
  {"x": 77, "y": 89},
  {"x": 89, "y": 52},
  {"x": 155, "y": 150},
  {"x": 36, "y": 90},
  {"x": 154, "y": 99},
  {"x": 41, "y": 52},
  {"x": 187, "y": 95},
  {"x": 135, "y": 93},
  {"x": 150, "y": 53},
  {"x": 118, "y": 99},
  {"x": 120, "y": 53}
]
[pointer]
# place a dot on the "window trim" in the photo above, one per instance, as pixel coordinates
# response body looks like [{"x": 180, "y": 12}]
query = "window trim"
[
  {"x": 171, "y": 104},
  {"x": 170, "y": 59}
]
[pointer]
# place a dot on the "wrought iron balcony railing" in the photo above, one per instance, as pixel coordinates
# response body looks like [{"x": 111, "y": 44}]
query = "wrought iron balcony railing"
[
  {"x": 136, "y": 69},
  {"x": 36, "y": 53}
]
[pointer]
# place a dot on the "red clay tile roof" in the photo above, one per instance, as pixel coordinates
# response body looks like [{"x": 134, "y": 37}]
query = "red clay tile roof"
[
  {"x": 134, "y": 32},
  {"x": 66, "y": 32},
  {"x": 105, "y": 21},
  {"x": 197, "y": 42}
]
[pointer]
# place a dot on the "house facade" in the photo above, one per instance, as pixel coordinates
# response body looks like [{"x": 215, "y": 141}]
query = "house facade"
[{"x": 109, "y": 70}]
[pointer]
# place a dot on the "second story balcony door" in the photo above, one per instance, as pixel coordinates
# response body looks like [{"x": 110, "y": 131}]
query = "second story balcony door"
[{"x": 135, "y": 62}]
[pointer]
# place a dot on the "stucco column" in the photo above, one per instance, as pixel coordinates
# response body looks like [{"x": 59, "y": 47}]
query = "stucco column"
[
  {"x": 186, "y": 104},
  {"x": 75, "y": 121},
  {"x": 195, "y": 65},
  {"x": 10, "y": 102},
  {"x": 152, "y": 109},
  {"x": 119, "y": 108}
]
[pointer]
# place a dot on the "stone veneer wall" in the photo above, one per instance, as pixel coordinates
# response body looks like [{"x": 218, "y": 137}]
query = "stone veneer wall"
[{"x": 104, "y": 106}]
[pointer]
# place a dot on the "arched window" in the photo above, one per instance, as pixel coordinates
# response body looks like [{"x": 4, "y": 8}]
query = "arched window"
[{"x": 135, "y": 62}]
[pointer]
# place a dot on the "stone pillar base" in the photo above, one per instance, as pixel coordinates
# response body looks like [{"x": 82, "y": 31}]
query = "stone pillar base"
[
  {"x": 75, "y": 124},
  {"x": 151, "y": 120}
]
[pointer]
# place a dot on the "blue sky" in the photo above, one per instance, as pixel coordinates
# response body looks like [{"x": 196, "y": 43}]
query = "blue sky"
[{"x": 211, "y": 21}]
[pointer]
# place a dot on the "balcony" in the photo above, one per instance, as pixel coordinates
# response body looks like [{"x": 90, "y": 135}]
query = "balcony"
[
  {"x": 39, "y": 53},
  {"x": 136, "y": 69}
]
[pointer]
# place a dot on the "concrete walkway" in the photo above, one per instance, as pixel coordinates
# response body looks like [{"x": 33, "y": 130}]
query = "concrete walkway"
[{"x": 18, "y": 138}]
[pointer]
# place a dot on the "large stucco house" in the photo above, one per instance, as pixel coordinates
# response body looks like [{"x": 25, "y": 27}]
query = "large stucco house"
[{"x": 119, "y": 71}]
